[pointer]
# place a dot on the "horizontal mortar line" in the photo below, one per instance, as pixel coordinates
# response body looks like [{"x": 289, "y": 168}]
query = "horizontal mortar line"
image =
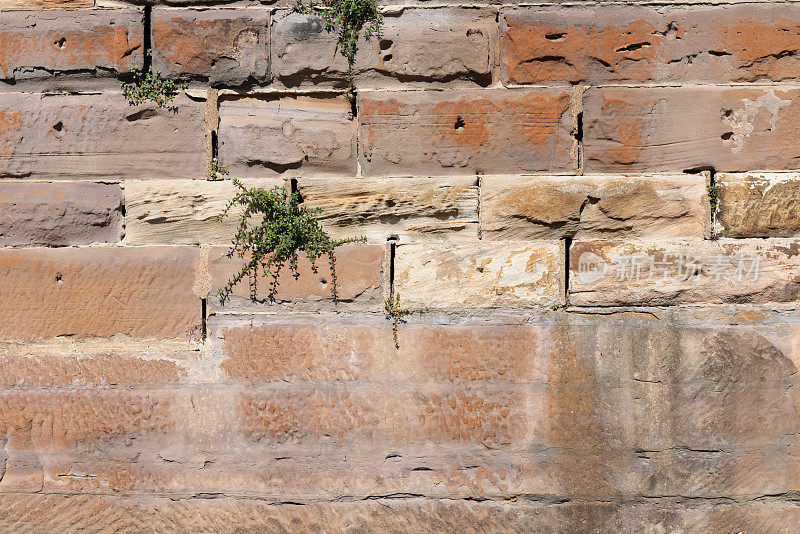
[{"x": 546, "y": 499}]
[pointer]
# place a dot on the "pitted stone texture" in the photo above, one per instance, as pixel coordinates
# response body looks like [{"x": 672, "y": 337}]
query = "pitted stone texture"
[
  {"x": 599, "y": 207},
  {"x": 678, "y": 128},
  {"x": 98, "y": 292},
  {"x": 262, "y": 137},
  {"x": 59, "y": 214},
  {"x": 54, "y": 366},
  {"x": 410, "y": 207},
  {"x": 651, "y": 273},
  {"x": 41, "y": 44},
  {"x": 465, "y": 132},
  {"x": 758, "y": 204},
  {"x": 99, "y": 136},
  {"x": 78, "y": 513},
  {"x": 300, "y": 350},
  {"x": 600, "y": 44},
  {"x": 225, "y": 47},
  {"x": 182, "y": 211},
  {"x": 466, "y": 277},
  {"x": 359, "y": 273},
  {"x": 424, "y": 45}
]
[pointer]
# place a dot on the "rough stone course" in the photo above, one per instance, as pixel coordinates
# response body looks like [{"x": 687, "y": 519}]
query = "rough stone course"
[
  {"x": 40, "y": 45},
  {"x": 60, "y": 213},
  {"x": 315, "y": 134},
  {"x": 225, "y": 47},
  {"x": 466, "y": 132},
  {"x": 432, "y": 45},
  {"x": 99, "y": 136},
  {"x": 738, "y": 128},
  {"x": 588, "y": 211},
  {"x": 597, "y": 44}
]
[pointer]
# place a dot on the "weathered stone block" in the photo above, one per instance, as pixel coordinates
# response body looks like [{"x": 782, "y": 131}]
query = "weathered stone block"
[
  {"x": 77, "y": 365},
  {"x": 271, "y": 136},
  {"x": 359, "y": 273},
  {"x": 58, "y": 214},
  {"x": 683, "y": 272},
  {"x": 490, "y": 131},
  {"x": 428, "y": 45},
  {"x": 76, "y": 513},
  {"x": 98, "y": 292},
  {"x": 679, "y": 128},
  {"x": 60, "y": 421},
  {"x": 225, "y": 47},
  {"x": 99, "y": 136},
  {"x": 545, "y": 207},
  {"x": 599, "y": 44},
  {"x": 41, "y": 44},
  {"x": 759, "y": 204},
  {"x": 182, "y": 211},
  {"x": 481, "y": 275},
  {"x": 414, "y": 208},
  {"x": 297, "y": 350}
]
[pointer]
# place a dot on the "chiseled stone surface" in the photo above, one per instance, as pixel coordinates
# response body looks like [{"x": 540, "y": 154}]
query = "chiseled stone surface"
[
  {"x": 594, "y": 44},
  {"x": 413, "y": 208},
  {"x": 99, "y": 292},
  {"x": 359, "y": 273},
  {"x": 758, "y": 204},
  {"x": 40, "y": 44},
  {"x": 77, "y": 513},
  {"x": 465, "y": 132},
  {"x": 309, "y": 349},
  {"x": 660, "y": 273},
  {"x": 594, "y": 207},
  {"x": 75, "y": 365},
  {"x": 263, "y": 137},
  {"x": 58, "y": 214},
  {"x": 667, "y": 129},
  {"x": 469, "y": 276},
  {"x": 99, "y": 136},
  {"x": 183, "y": 211},
  {"x": 225, "y": 47},
  {"x": 430, "y": 45}
]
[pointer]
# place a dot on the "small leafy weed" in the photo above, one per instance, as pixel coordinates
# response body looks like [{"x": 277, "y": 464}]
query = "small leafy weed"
[
  {"x": 286, "y": 228},
  {"x": 216, "y": 170},
  {"x": 712, "y": 198},
  {"x": 147, "y": 85},
  {"x": 394, "y": 312},
  {"x": 349, "y": 17}
]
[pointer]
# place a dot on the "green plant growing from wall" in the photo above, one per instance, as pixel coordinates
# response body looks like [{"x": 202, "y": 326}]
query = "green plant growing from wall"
[
  {"x": 394, "y": 312},
  {"x": 286, "y": 228},
  {"x": 216, "y": 170},
  {"x": 712, "y": 198},
  {"x": 350, "y": 17},
  {"x": 148, "y": 85}
]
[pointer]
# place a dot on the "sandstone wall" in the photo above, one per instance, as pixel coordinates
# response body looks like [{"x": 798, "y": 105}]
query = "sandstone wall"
[{"x": 590, "y": 349}]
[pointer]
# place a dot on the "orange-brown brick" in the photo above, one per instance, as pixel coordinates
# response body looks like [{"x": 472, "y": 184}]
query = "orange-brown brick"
[
  {"x": 644, "y": 44},
  {"x": 98, "y": 292},
  {"x": 455, "y": 132},
  {"x": 38, "y": 44},
  {"x": 225, "y": 47},
  {"x": 679, "y": 128}
]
